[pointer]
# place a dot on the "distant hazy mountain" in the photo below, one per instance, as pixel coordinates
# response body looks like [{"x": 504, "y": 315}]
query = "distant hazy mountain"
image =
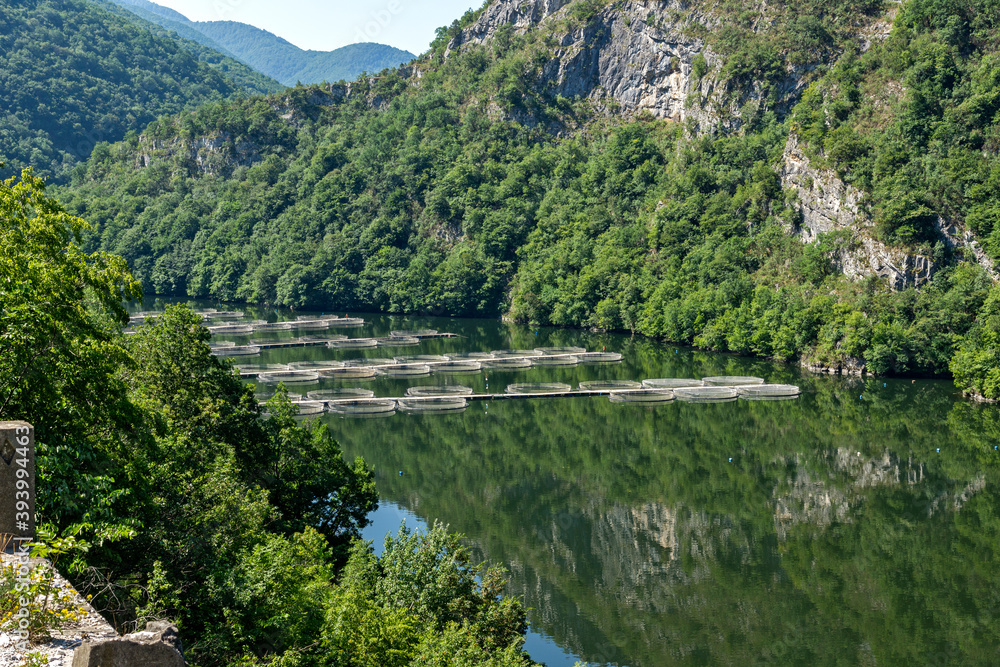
[{"x": 270, "y": 54}]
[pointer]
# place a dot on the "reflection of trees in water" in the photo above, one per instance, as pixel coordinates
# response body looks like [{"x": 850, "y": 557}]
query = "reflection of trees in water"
[{"x": 837, "y": 531}]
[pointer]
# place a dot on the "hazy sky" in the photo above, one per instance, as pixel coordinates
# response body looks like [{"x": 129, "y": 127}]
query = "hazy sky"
[{"x": 314, "y": 24}]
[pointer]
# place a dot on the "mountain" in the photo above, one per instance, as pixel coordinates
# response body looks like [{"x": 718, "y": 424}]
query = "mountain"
[
  {"x": 812, "y": 181},
  {"x": 73, "y": 74},
  {"x": 271, "y": 54}
]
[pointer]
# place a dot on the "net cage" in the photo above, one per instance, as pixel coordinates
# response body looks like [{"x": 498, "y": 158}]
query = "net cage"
[
  {"x": 766, "y": 391},
  {"x": 264, "y": 394},
  {"x": 706, "y": 393},
  {"x": 560, "y": 350},
  {"x": 361, "y": 407},
  {"x": 310, "y": 408},
  {"x": 314, "y": 365},
  {"x": 253, "y": 369},
  {"x": 609, "y": 385},
  {"x": 406, "y": 370},
  {"x": 237, "y": 351},
  {"x": 507, "y": 363},
  {"x": 671, "y": 383},
  {"x": 440, "y": 390},
  {"x": 457, "y": 367},
  {"x": 344, "y": 322},
  {"x": 397, "y": 341},
  {"x": 224, "y": 343},
  {"x": 732, "y": 380},
  {"x": 221, "y": 315},
  {"x": 642, "y": 396},
  {"x": 272, "y": 326},
  {"x": 416, "y": 332},
  {"x": 432, "y": 404},
  {"x": 567, "y": 360},
  {"x": 349, "y": 373},
  {"x": 231, "y": 329},
  {"x": 599, "y": 357},
  {"x": 421, "y": 359},
  {"x": 539, "y": 388},
  {"x": 370, "y": 361},
  {"x": 503, "y": 354},
  {"x": 311, "y": 325},
  {"x": 352, "y": 343},
  {"x": 344, "y": 393},
  {"x": 289, "y": 377},
  {"x": 470, "y": 356}
]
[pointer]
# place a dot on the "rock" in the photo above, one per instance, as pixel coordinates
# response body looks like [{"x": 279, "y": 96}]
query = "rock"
[{"x": 159, "y": 645}]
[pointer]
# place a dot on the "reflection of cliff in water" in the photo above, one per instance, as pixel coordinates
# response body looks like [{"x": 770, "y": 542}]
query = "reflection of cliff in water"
[{"x": 804, "y": 532}]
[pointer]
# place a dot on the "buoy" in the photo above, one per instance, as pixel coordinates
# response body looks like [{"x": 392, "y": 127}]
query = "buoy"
[
  {"x": 400, "y": 473},
  {"x": 861, "y": 397},
  {"x": 883, "y": 384},
  {"x": 730, "y": 459},
  {"x": 938, "y": 450}
]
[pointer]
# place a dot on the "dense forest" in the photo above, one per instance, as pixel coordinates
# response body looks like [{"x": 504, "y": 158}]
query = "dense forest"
[
  {"x": 454, "y": 197},
  {"x": 270, "y": 54},
  {"x": 238, "y": 522},
  {"x": 73, "y": 75}
]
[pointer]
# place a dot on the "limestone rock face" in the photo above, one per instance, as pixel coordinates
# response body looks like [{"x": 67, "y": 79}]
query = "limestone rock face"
[
  {"x": 159, "y": 645},
  {"x": 629, "y": 57},
  {"x": 827, "y": 204}
]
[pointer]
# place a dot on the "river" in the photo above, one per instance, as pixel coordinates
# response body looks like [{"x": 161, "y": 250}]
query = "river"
[{"x": 856, "y": 524}]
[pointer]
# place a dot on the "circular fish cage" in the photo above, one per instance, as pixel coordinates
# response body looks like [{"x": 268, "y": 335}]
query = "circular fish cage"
[
  {"x": 560, "y": 350},
  {"x": 343, "y": 322},
  {"x": 706, "y": 394},
  {"x": 470, "y": 356},
  {"x": 609, "y": 385},
  {"x": 349, "y": 373},
  {"x": 421, "y": 359},
  {"x": 265, "y": 394},
  {"x": 344, "y": 393},
  {"x": 272, "y": 326},
  {"x": 671, "y": 383},
  {"x": 437, "y": 405},
  {"x": 502, "y": 354},
  {"x": 768, "y": 391},
  {"x": 352, "y": 343},
  {"x": 599, "y": 357},
  {"x": 457, "y": 367},
  {"x": 417, "y": 333},
  {"x": 223, "y": 314},
  {"x": 642, "y": 396},
  {"x": 362, "y": 407},
  {"x": 406, "y": 370},
  {"x": 289, "y": 377},
  {"x": 732, "y": 380},
  {"x": 311, "y": 325},
  {"x": 310, "y": 408},
  {"x": 248, "y": 370},
  {"x": 440, "y": 390},
  {"x": 507, "y": 363},
  {"x": 314, "y": 365},
  {"x": 397, "y": 341},
  {"x": 237, "y": 351},
  {"x": 539, "y": 388},
  {"x": 231, "y": 329},
  {"x": 374, "y": 362},
  {"x": 223, "y": 343},
  {"x": 544, "y": 360}
]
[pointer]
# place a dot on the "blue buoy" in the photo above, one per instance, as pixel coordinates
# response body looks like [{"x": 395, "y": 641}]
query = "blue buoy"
[
  {"x": 861, "y": 397},
  {"x": 938, "y": 450},
  {"x": 883, "y": 384},
  {"x": 400, "y": 473},
  {"x": 730, "y": 459}
]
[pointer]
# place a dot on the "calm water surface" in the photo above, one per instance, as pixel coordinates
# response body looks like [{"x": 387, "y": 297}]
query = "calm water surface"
[{"x": 857, "y": 524}]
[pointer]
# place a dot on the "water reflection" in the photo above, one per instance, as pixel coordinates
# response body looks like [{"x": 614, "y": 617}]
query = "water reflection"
[{"x": 855, "y": 525}]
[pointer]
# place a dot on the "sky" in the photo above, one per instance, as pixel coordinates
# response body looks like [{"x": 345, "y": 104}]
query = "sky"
[{"x": 324, "y": 26}]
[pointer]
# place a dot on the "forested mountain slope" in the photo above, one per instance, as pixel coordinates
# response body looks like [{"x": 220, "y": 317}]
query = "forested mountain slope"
[
  {"x": 271, "y": 54},
  {"x": 812, "y": 180},
  {"x": 73, "y": 74}
]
